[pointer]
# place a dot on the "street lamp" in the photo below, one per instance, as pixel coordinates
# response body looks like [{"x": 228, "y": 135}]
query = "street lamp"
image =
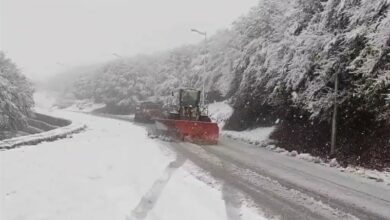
[{"x": 204, "y": 60}]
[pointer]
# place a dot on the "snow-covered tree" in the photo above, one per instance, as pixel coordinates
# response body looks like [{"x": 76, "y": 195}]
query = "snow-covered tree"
[
  {"x": 15, "y": 96},
  {"x": 279, "y": 61},
  {"x": 282, "y": 53},
  {"x": 298, "y": 46}
]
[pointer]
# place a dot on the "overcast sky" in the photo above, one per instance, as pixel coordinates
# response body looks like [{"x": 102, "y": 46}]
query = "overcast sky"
[{"x": 47, "y": 36}]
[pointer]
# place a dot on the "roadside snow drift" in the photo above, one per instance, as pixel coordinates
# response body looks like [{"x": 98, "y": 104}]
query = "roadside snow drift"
[{"x": 254, "y": 136}]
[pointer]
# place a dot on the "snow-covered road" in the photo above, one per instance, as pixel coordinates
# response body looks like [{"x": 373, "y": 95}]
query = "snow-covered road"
[
  {"x": 285, "y": 186},
  {"x": 114, "y": 171},
  {"x": 110, "y": 171}
]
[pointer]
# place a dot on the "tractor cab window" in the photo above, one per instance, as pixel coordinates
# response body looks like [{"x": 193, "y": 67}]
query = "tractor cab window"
[{"x": 189, "y": 98}]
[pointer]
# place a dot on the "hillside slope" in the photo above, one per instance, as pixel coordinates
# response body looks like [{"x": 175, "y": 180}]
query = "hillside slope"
[{"x": 279, "y": 63}]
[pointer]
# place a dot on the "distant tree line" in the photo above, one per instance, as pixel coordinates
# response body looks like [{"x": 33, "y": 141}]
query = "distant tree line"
[
  {"x": 279, "y": 61},
  {"x": 124, "y": 82},
  {"x": 280, "y": 54}
]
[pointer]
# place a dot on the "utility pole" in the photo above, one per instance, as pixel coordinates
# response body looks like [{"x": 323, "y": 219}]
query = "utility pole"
[
  {"x": 334, "y": 118},
  {"x": 204, "y": 62}
]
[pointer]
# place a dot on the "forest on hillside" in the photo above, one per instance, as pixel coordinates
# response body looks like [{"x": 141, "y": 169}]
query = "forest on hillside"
[
  {"x": 279, "y": 61},
  {"x": 16, "y": 96}
]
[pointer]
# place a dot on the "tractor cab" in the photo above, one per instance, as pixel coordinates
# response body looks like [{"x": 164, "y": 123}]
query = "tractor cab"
[
  {"x": 189, "y": 106},
  {"x": 189, "y": 97},
  {"x": 187, "y": 121}
]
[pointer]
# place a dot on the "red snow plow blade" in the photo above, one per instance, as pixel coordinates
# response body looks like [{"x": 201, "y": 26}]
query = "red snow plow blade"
[{"x": 192, "y": 131}]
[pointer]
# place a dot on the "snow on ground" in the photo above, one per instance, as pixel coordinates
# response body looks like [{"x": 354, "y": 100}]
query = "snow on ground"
[
  {"x": 41, "y": 137},
  {"x": 253, "y": 136},
  {"x": 187, "y": 193},
  {"x": 379, "y": 176},
  {"x": 110, "y": 171},
  {"x": 85, "y": 106},
  {"x": 220, "y": 112}
]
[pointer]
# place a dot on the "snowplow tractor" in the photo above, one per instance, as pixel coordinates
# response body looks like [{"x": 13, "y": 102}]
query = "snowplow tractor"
[{"x": 187, "y": 122}]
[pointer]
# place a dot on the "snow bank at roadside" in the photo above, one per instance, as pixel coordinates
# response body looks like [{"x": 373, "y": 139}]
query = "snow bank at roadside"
[
  {"x": 255, "y": 136},
  {"x": 50, "y": 135},
  {"x": 41, "y": 137},
  {"x": 378, "y": 176},
  {"x": 220, "y": 112}
]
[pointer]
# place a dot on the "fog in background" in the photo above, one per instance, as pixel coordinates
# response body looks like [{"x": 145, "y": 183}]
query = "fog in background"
[{"x": 45, "y": 37}]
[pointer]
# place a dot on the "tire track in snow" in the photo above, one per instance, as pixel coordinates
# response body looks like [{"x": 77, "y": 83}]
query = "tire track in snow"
[
  {"x": 233, "y": 201},
  {"x": 149, "y": 200},
  {"x": 233, "y": 198}
]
